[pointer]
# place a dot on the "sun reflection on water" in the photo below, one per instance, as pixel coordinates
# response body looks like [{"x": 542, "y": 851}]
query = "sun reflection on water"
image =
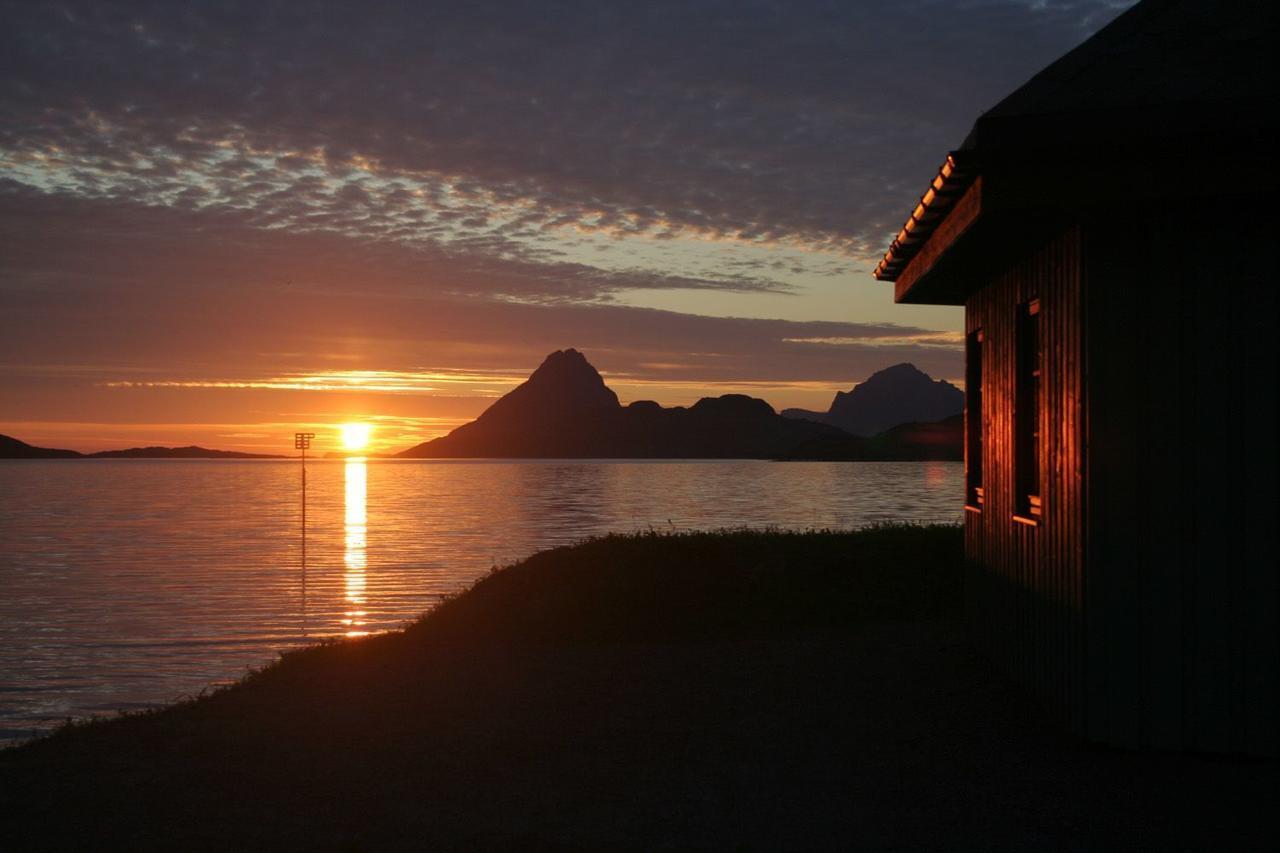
[
  {"x": 936, "y": 474},
  {"x": 356, "y": 531},
  {"x": 230, "y": 600}
]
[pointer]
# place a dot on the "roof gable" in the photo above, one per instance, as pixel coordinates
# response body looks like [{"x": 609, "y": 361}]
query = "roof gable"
[
  {"x": 1171, "y": 99},
  {"x": 1157, "y": 53}
]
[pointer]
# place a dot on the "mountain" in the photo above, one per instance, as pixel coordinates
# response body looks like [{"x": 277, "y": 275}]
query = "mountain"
[
  {"x": 901, "y": 394},
  {"x": 12, "y": 448},
  {"x": 188, "y": 452},
  {"x": 565, "y": 411},
  {"x": 942, "y": 440}
]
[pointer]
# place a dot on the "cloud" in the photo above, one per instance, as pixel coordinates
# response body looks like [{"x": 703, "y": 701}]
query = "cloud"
[
  {"x": 914, "y": 337},
  {"x": 204, "y": 205},
  {"x": 144, "y": 296},
  {"x": 805, "y": 124},
  {"x": 65, "y": 240}
]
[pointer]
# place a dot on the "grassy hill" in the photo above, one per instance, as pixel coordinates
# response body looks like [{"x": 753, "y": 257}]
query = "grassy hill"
[{"x": 731, "y": 690}]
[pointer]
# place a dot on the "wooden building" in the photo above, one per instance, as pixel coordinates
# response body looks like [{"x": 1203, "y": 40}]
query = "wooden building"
[{"x": 1110, "y": 229}]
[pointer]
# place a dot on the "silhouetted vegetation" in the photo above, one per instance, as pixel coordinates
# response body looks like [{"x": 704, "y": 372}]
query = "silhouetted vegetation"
[{"x": 742, "y": 583}]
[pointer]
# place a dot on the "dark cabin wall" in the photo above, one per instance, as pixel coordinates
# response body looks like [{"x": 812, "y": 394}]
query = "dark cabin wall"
[
  {"x": 1025, "y": 589},
  {"x": 1183, "y": 639}
]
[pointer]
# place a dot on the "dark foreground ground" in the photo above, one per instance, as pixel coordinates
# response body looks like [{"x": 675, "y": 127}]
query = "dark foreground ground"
[{"x": 741, "y": 691}]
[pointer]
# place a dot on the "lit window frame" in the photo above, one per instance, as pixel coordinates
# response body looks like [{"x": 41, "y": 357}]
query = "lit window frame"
[
  {"x": 1028, "y": 431},
  {"x": 974, "y": 432}
]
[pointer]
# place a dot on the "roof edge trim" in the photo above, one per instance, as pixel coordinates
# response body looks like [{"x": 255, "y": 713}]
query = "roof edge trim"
[{"x": 954, "y": 176}]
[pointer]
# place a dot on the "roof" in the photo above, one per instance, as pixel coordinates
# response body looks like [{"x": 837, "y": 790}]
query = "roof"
[
  {"x": 1157, "y": 53},
  {"x": 1164, "y": 79},
  {"x": 954, "y": 176}
]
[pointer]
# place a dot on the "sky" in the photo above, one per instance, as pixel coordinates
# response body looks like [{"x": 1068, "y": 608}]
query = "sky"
[{"x": 224, "y": 222}]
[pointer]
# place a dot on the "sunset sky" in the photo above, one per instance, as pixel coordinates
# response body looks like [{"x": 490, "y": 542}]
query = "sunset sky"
[{"x": 221, "y": 223}]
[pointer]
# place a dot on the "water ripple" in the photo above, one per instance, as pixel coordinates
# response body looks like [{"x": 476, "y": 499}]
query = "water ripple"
[{"x": 132, "y": 582}]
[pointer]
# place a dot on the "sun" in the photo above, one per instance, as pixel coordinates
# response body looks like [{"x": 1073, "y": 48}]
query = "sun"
[{"x": 355, "y": 436}]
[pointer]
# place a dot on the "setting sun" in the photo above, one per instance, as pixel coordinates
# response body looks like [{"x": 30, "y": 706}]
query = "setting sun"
[{"x": 355, "y": 436}]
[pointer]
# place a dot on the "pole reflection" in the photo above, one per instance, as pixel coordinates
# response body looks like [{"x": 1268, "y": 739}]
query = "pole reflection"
[{"x": 356, "y": 530}]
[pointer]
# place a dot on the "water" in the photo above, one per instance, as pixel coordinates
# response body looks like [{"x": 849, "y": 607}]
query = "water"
[{"x": 128, "y": 583}]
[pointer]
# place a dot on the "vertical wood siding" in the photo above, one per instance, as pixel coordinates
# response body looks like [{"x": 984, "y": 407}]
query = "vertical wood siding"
[
  {"x": 1144, "y": 608},
  {"x": 1182, "y": 588},
  {"x": 1025, "y": 591}
]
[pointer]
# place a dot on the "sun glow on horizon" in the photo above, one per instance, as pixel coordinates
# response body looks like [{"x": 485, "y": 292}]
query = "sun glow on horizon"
[{"x": 355, "y": 436}]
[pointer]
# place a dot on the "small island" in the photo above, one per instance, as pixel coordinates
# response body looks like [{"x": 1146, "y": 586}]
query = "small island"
[{"x": 12, "y": 448}]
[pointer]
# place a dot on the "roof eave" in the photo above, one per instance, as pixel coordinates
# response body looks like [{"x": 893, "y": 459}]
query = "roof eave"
[
  {"x": 918, "y": 281},
  {"x": 953, "y": 180}
]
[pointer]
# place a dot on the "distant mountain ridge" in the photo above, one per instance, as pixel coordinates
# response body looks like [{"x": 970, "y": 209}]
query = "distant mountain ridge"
[
  {"x": 12, "y": 448},
  {"x": 900, "y": 394},
  {"x": 940, "y": 441},
  {"x": 191, "y": 451},
  {"x": 564, "y": 410}
]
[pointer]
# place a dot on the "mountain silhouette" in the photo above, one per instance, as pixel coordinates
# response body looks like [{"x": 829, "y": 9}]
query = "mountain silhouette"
[
  {"x": 12, "y": 448},
  {"x": 564, "y": 410},
  {"x": 565, "y": 382},
  {"x": 191, "y": 451},
  {"x": 942, "y": 440},
  {"x": 901, "y": 394}
]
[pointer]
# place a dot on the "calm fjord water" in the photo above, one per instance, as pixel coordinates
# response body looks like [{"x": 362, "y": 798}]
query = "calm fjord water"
[{"x": 128, "y": 583}]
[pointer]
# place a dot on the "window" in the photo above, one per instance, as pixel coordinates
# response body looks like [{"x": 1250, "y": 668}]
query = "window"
[
  {"x": 973, "y": 494},
  {"x": 1026, "y": 413}
]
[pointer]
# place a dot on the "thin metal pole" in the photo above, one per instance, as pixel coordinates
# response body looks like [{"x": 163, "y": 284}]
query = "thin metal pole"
[
  {"x": 304, "y": 514},
  {"x": 304, "y": 541},
  {"x": 301, "y": 441}
]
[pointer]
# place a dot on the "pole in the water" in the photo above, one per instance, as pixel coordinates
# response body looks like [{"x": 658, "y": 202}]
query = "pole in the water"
[{"x": 302, "y": 441}]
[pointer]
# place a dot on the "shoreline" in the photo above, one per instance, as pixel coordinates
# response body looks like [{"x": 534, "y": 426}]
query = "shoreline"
[{"x": 728, "y": 689}]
